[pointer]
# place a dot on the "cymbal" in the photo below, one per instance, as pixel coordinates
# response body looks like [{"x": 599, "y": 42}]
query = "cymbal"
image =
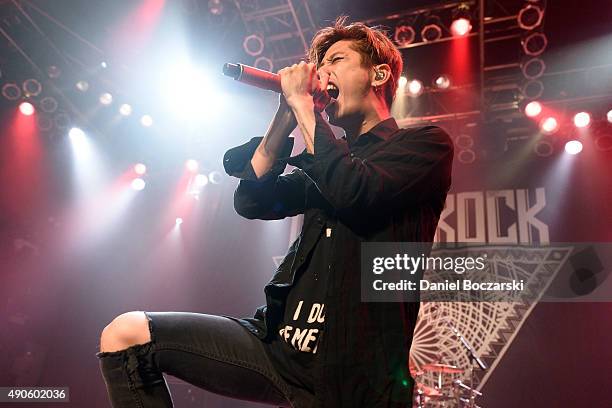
[{"x": 442, "y": 368}]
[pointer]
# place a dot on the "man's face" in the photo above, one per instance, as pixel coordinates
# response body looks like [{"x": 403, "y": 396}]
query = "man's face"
[{"x": 352, "y": 79}]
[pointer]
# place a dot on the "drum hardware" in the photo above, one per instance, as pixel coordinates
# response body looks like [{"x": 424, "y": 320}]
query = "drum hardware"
[{"x": 473, "y": 357}]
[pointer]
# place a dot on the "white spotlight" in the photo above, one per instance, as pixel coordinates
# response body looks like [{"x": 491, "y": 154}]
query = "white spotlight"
[
  {"x": 402, "y": 81},
  {"x": 573, "y": 147},
  {"x": 178, "y": 221},
  {"x": 82, "y": 86},
  {"x": 106, "y": 98},
  {"x": 76, "y": 134},
  {"x": 201, "y": 180},
  {"x": 138, "y": 184},
  {"x": 140, "y": 168},
  {"x": 80, "y": 145},
  {"x": 192, "y": 165},
  {"x": 146, "y": 121},
  {"x": 190, "y": 94},
  {"x": 609, "y": 116},
  {"x": 415, "y": 87},
  {"x": 533, "y": 109},
  {"x": 442, "y": 82},
  {"x": 125, "y": 109},
  {"x": 582, "y": 119}
]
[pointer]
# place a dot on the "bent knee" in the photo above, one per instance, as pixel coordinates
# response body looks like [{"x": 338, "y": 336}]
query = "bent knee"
[{"x": 127, "y": 329}]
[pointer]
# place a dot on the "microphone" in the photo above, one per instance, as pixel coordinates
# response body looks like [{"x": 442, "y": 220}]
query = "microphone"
[{"x": 253, "y": 76}]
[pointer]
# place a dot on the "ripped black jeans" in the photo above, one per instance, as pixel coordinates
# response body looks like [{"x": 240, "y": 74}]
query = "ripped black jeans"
[{"x": 211, "y": 352}]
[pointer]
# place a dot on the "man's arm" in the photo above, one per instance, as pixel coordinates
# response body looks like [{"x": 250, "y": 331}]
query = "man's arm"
[
  {"x": 263, "y": 193},
  {"x": 271, "y": 145},
  {"x": 414, "y": 166},
  {"x": 410, "y": 168}
]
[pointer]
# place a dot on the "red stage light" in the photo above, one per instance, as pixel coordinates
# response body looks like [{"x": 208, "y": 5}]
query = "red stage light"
[
  {"x": 460, "y": 27},
  {"x": 549, "y": 125},
  {"x": 26, "y": 108},
  {"x": 533, "y": 109}
]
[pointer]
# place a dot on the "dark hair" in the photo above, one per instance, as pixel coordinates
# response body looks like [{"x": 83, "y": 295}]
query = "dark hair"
[{"x": 371, "y": 42}]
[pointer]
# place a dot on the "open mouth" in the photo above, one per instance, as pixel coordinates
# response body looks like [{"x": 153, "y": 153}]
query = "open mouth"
[{"x": 333, "y": 91}]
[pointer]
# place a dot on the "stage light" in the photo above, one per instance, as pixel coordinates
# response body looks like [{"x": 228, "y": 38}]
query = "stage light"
[
  {"x": 533, "y": 109},
  {"x": 54, "y": 72},
  {"x": 532, "y": 89},
  {"x": 192, "y": 165},
  {"x": 573, "y": 147},
  {"x": 404, "y": 35},
  {"x": 11, "y": 91},
  {"x": 431, "y": 32},
  {"x": 48, "y": 104},
  {"x": 138, "y": 184},
  {"x": 201, "y": 180},
  {"x": 543, "y": 148},
  {"x": 82, "y": 86},
  {"x": 264, "y": 63},
  {"x": 464, "y": 141},
  {"x": 215, "y": 177},
  {"x": 534, "y": 44},
  {"x": 582, "y": 119},
  {"x": 549, "y": 125},
  {"x": 402, "y": 81},
  {"x": 103, "y": 64},
  {"x": 140, "y": 168},
  {"x": 533, "y": 68},
  {"x": 609, "y": 116},
  {"x": 26, "y": 108},
  {"x": 253, "y": 45},
  {"x": 442, "y": 82},
  {"x": 146, "y": 121},
  {"x": 81, "y": 148},
  {"x": 530, "y": 17},
  {"x": 178, "y": 221},
  {"x": 44, "y": 123},
  {"x": 215, "y": 7},
  {"x": 106, "y": 98},
  {"x": 460, "y": 27},
  {"x": 31, "y": 87},
  {"x": 415, "y": 88},
  {"x": 76, "y": 134},
  {"x": 190, "y": 93},
  {"x": 125, "y": 109},
  {"x": 466, "y": 156},
  {"x": 61, "y": 120}
]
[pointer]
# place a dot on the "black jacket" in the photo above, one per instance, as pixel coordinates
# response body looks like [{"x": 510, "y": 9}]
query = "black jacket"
[{"x": 386, "y": 185}]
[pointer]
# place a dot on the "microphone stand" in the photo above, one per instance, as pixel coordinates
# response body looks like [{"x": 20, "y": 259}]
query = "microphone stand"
[{"x": 473, "y": 358}]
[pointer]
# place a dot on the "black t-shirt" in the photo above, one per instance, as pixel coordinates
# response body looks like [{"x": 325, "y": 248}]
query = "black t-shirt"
[{"x": 294, "y": 347}]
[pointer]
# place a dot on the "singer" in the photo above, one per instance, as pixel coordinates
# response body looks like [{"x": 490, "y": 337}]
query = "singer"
[{"x": 314, "y": 343}]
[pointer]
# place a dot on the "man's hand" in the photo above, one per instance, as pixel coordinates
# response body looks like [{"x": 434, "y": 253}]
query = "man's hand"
[{"x": 304, "y": 87}]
